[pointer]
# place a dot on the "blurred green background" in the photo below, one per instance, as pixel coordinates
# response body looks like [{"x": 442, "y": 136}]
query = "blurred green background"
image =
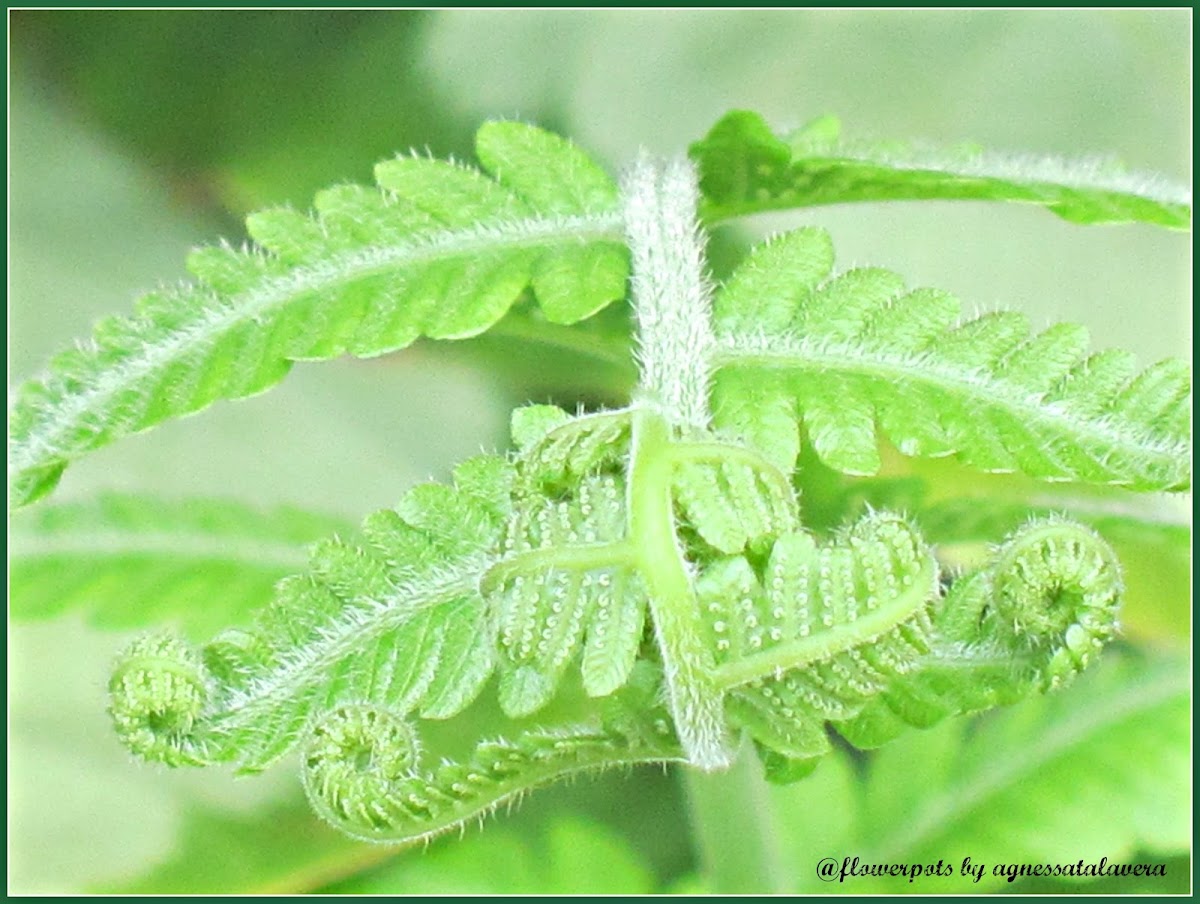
[{"x": 135, "y": 135}]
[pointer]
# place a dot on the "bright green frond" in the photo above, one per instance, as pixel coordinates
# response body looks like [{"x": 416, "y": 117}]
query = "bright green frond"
[
  {"x": 395, "y": 620},
  {"x": 853, "y": 354},
  {"x": 440, "y": 250}
]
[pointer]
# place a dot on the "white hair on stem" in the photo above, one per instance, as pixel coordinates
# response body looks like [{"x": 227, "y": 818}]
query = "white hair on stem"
[{"x": 672, "y": 295}]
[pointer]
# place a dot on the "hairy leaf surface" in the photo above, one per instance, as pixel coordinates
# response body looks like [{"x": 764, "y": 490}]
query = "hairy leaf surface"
[
  {"x": 855, "y": 353},
  {"x": 439, "y": 250},
  {"x": 821, "y": 631},
  {"x": 747, "y": 168},
  {"x": 396, "y": 620},
  {"x": 1027, "y": 622}
]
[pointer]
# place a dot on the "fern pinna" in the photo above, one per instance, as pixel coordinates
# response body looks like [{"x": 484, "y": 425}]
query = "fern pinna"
[{"x": 629, "y": 585}]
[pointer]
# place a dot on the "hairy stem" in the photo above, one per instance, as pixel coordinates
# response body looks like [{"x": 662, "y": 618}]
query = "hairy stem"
[
  {"x": 696, "y": 701},
  {"x": 672, "y": 307},
  {"x": 671, "y": 294}
]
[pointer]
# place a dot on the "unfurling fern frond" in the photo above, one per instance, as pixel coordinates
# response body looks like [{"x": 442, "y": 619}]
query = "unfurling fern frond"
[
  {"x": 1027, "y": 622},
  {"x": 855, "y": 353},
  {"x": 438, "y": 250},
  {"x": 363, "y": 770},
  {"x": 395, "y": 620},
  {"x": 159, "y": 690},
  {"x": 639, "y": 582}
]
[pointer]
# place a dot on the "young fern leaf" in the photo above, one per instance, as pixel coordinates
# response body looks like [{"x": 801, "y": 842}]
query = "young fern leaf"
[
  {"x": 820, "y": 632},
  {"x": 439, "y": 250},
  {"x": 745, "y": 168},
  {"x": 363, "y": 775},
  {"x": 1026, "y": 623},
  {"x": 395, "y": 621},
  {"x": 668, "y": 560},
  {"x": 567, "y": 570},
  {"x": 848, "y": 353}
]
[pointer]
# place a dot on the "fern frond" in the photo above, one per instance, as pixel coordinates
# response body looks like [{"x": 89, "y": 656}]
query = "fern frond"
[
  {"x": 1026, "y": 623},
  {"x": 849, "y": 354},
  {"x": 363, "y": 771},
  {"x": 559, "y": 449},
  {"x": 568, "y": 571},
  {"x": 440, "y": 250},
  {"x": 746, "y": 168},
  {"x": 396, "y": 620},
  {"x": 133, "y": 561},
  {"x": 820, "y": 631},
  {"x": 731, "y": 496}
]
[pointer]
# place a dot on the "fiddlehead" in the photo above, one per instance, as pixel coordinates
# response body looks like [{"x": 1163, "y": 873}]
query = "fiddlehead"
[
  {"x": 159, "y": 690},
  {"x": 362, "y": 769},
  {"x": 1049, "y": 597},
  {"x": 354, "y": 755},
  {"x": 1030, "y": 620}
]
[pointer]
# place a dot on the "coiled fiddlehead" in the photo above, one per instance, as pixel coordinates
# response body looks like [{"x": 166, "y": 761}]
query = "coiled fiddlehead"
[
  {"x": 1028, "y": 621},
  {"x": 157, "y": 693},
  {"x": 1049, "y": 598},
  {"x": 353, "y": 757},
  {"x": 362, "y": 765}
]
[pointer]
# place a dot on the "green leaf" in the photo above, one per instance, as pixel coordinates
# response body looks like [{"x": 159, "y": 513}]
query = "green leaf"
[
  {"x": 442, "y": 251},
  {"x": 1038, "y": 613},
  {"x": 409, "y": 622},
  {"x": 395, "y": 619},
  {"x": 568, "y": 575},
  {"x": 823, "y": 632},
  {"x": 747, "y": 168},
  {"x": 853, "y": 352},
  {"x": 134, "y": 561}
]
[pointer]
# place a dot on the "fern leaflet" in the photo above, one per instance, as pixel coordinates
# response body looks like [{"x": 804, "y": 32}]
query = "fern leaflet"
[
  {"x": 821, "y": 632},
  {"x": 849, "y": 353},
  {"x": 439, "y": 250}
]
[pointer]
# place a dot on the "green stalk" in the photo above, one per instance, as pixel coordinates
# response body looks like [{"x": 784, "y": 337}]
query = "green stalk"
[
  {"x": 696, "y": 700},
  {"x": 735, "y": 832}
]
